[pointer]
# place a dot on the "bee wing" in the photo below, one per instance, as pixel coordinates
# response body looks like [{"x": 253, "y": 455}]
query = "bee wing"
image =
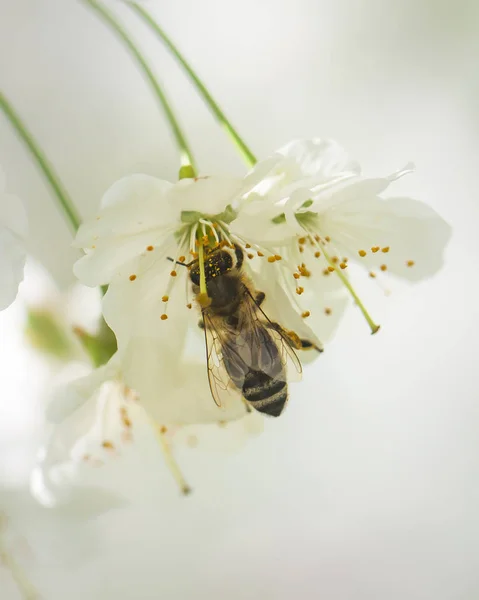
[
  {"x": 223, "y": 390},
  {"x": 289, "y": 358}
]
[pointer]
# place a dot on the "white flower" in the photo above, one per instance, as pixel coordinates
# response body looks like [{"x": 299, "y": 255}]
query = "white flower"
[
  {"x": 142, "y": 224},
  {"x": 339, "y": 218},
  {"x": 13, "y": 232},
  {"x": 97, "y": 420}
]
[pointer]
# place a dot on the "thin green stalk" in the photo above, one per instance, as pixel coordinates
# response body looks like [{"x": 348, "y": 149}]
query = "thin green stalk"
[
  {"x": 62, "y": 196},
  {"x": 246, "y": 153},
  {"x": 186, "y": 155}
]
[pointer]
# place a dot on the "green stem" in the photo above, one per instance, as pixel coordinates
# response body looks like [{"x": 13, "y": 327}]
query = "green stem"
[
  {"x": 246, "y": 153},
  {"x": 186, "y": 155},
  {"x": 62, "y": 196}
]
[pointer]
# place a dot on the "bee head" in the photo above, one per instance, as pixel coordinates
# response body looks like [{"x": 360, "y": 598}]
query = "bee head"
[{"x": 217, "y": 263}]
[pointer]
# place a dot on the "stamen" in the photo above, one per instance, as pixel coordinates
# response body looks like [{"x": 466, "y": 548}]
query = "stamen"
[
  {"x": 362, "y": 253},
  {"x": 299, "y": 290},
  {"x": 173, "y": 273},
  {"x": 306, "y": 314},
  {"x": 383, "y": 267},
  {"x": 203, "y": 298},
  {"x": 271, "y": 259},
  {"x": 375, "y": 249},
  {"x": 249, "y": 255},
  {"x": 385, "y": 249},
  {"x": 317, "y": 254},
  {"x": 296, "y": 275},
  {"x": 163, "y": 317},
  {"x": 107, "y": 445},
  {"x": 278, "y": 256},
  {"x": 410, "y": 263},
  {"x": 372, "y": 274},
  {"x": 172, "y": 464},
  {"x": 374, "y": 328},
  {"x": 165, "y": 298},
  {"x": 342, "y": 265},
  {"x": 327, "y": 311},
  {"x": 132, "y": 277},
  {"x": 259, "y": 253},
  {"x": 150, "y": 248}
]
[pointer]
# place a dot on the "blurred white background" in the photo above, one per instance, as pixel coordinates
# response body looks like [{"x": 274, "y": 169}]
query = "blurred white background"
[{"x": 367, "y": 487}]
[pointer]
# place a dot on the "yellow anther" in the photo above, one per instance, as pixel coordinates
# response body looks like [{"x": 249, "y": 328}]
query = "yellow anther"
[
  {"x": 317, "y": 254},
  {"x": 327, "y": 311},
  {"x": 108, "y": 445},
  {"x": 343, "y": 265},
  {"x": 259, "y": 253},
  {"x": 410, "y": 263},
  {"x": 385, "y": 249},
  {"x": 383, "y": 267},
  {"x": 372, "y": 274},
  {"x": 334, "y": 259},
  {"x": 247, "y": 245},
  {"x": 302, "y": 240},
  {"x": 150, "y": 248},
  {"x": 325, "y": 271},
  {"x": 164, "y": 317},
  {"x": 327, "y": 238},
  {"x": 189, "y": 305},
  {"x": 182, "y": 259},
  {"x": 296, "y": 275},
  {"x": 132, "y": 277},
  {"x": 299, "y": 290},
  {"x": 306, "y": 314},
  {"x": 271, "y": 259},
  {"x": 165, "y": 298},
  {"x": 278, "y": 256},
  {"x": 301, "y": 249},
  {"x": 362, "y": 253},
  {"x": 249, "y": 255},
  {"x": 163, "y": 430},
  {"x": 331, "y": 269},
  {"x": 173, "y": 273},
  {"x": 375, "y": 249}
]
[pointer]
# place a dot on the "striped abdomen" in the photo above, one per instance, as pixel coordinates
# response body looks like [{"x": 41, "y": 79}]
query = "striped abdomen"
[{"x": 265, "y": 393}]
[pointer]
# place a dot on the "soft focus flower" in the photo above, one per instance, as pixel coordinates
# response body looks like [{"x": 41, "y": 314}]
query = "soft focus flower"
[
  {"x": 339, "y": 219},
  {"x": 144, "y": 222},
  {"x": 97, "y": 419},
  {"x": 13, "y": 232}
]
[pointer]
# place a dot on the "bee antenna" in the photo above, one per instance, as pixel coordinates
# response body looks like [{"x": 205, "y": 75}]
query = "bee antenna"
[{"x": 177, "y": 262}]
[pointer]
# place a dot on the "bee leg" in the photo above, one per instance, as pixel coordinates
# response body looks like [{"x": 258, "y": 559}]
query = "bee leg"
[
  {"x": 259, "y": 298},
  {"x": 293, "y": 338}
]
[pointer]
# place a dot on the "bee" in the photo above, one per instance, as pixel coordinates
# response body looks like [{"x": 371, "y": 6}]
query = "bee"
[{"x": 247, "y": 354}]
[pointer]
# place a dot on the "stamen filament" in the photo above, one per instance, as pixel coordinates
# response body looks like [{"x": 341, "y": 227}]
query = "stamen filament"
[
  {"x": 201, "y": 261},
  {"x": 374, "y": 328},
  {"x": 173, "y": 465},
  {"x": 220, "y": 116},
  {"x": 64, "y": 200},
  {"x": 186, "y": 155}
]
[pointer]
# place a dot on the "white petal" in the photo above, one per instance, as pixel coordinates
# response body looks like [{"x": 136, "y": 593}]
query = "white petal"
[
  {"x": 255, "y": 223},
  {"x": 113, "y": 258},
  {"x": 410, "y": 229},
  {"x": 132, "y": 308},
  {"x": 223, "y": 436},
  {"x": 321, "y": 159},
  {"x": 94, "y": 433},
  {"x": 69, "y": 397},
  {"x": 207, "y": 195},
  {"x": 133, "y": 205}
]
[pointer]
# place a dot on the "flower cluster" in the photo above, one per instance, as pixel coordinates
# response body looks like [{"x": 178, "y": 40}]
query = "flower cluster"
[{"x": 307, "y": 222}]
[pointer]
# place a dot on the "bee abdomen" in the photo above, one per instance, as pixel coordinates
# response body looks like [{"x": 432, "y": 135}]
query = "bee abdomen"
[{"x": 264, "y": 393}]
